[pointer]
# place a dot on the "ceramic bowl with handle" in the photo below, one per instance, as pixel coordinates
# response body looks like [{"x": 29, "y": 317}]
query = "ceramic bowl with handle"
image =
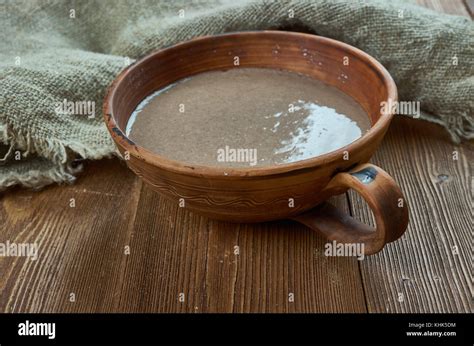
[{"x": 296, "y": 190}]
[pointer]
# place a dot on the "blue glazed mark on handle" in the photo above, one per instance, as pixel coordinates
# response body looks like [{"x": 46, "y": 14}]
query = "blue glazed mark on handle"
[{"x": 366, "y": 175}]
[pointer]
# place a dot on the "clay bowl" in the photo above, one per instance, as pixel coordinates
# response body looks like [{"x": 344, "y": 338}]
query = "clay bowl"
[{"x": 288, "y": 191}]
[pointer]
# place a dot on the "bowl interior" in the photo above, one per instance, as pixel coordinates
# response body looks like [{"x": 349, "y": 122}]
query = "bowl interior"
[{"x": 332, "y": 62}]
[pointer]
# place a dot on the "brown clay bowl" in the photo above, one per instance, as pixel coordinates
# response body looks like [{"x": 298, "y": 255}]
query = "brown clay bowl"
[{"x": 259, "y": 194}]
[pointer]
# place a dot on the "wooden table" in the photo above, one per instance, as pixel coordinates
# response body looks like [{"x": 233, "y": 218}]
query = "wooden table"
[{"x": 123, "y": 248}]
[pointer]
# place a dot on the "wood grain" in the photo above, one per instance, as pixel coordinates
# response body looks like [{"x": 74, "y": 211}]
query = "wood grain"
[
  {"x": 428, "y": 269},
  {"x": 281, "y": 258},
  {"x": 225, "y": 267},
  {"x": 422, "y": 269},
  {"x": 172, "y": 251},
  {"x": 81, "y": 248}
]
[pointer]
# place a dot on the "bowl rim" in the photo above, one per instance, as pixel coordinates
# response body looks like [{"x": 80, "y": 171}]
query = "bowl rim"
[{"x": 141, "y": 153}]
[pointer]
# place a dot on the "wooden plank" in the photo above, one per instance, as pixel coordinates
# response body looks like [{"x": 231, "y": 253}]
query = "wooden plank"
[
  {"x": 171, "y": 251},
  {"x": 282, "y": 258},
  {"x": 422, "y": 272},
  {"x": 81, "y": 248},
  {"x": 427, "y": 270},
  {"x": 168, "y": 258},
  {"x": 224, "y": 267}
]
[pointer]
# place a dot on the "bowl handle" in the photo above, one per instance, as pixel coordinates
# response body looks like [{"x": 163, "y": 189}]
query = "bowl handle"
[{"x": 383, "y": 196}]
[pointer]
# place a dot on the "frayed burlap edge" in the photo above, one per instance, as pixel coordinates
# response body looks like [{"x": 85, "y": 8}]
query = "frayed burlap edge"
[
  {"x": 457, "y": 134},
  {"x": 61, "y": 156}
]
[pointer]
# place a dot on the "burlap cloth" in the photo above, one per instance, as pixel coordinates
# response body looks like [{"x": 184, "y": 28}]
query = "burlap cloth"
[{"x": 52, "y": 51}]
